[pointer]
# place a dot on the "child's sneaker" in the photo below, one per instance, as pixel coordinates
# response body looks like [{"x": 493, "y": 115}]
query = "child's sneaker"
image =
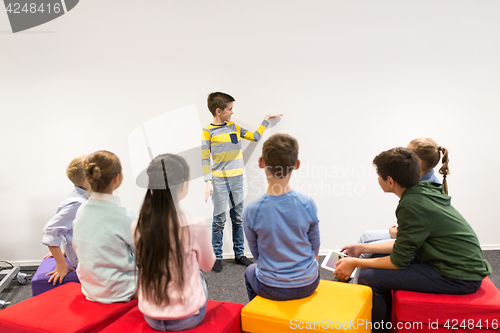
[
  {"x": 217, "y": 266},
  {"x": 243, "y": 261}
]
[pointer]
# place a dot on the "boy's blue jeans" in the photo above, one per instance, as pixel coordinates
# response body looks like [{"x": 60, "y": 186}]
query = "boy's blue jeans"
[{"x": 227, "y": 190}]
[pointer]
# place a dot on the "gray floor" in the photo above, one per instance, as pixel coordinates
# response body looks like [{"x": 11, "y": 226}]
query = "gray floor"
[{"x": 228, "y": 285}]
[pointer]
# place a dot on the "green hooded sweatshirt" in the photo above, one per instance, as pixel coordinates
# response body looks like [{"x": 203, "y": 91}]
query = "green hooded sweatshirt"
[{"x": 435, "y": 232}]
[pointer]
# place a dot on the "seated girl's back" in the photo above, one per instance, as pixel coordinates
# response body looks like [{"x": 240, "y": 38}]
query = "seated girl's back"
[
  {"x": 102, "y": 237},
  {"x": 198, "y": 255},
  {"x": 172, "y": 248}
]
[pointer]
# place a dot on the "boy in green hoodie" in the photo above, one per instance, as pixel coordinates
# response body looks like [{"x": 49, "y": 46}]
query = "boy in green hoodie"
[{"x": 435, "y": 251}]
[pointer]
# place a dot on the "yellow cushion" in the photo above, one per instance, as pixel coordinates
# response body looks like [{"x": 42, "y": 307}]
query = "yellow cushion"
[{"x": 334, "y": 307}]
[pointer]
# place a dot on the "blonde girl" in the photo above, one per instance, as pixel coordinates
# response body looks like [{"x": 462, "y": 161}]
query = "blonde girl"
[{"x": 102, "y": 238}]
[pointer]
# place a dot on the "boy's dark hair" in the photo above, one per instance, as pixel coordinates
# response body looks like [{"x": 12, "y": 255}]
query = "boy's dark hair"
[
  {"x": 280, "y": 153},
  {"x": 218, "y": 100},
  {"x": 400, "y": 164}
]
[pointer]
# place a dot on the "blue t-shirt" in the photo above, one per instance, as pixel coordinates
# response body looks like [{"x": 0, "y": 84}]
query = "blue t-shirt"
[
  {"x": 431, "y": 177},
  {"x": 283, "y": 236}
]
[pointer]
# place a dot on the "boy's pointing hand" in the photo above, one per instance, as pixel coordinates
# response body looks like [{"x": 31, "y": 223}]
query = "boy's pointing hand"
[{"x": 271, "y": 116}]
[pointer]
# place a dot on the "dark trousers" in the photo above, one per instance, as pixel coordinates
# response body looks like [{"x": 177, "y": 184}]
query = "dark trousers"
[
  {"x": 255, "y": 287},
  {"x": 419, "y": 276}
]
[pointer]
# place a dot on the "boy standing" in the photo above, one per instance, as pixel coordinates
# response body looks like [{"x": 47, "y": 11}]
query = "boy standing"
[
  {"x": 436, "y": 250},
  {"x": 222, "y": 139},
  {"x": 282, "y": 229}
]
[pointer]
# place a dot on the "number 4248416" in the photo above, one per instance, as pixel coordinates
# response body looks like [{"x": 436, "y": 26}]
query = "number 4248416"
[
  {"x": 454, "y": 324},
  {"x": 33, "y": 8}
]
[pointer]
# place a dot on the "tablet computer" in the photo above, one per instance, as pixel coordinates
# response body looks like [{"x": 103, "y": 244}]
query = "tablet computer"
[{"x": 331, "y": 258}]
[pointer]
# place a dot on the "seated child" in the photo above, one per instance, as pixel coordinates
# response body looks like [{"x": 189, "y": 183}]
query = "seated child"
[
  {"x": 102, "y": 238},
  {"x": 436, "y": 250},
  {"x": 429, "y": 153},
  {"x": 58, "y": 232},
  {"x": 171, "y": 249},
  {"x": 282, "y": 229}
]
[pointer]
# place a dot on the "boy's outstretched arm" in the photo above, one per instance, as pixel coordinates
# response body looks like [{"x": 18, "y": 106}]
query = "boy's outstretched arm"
[
  {"x": 255, "y": 136},
  {"x": 271, "y": 116}
]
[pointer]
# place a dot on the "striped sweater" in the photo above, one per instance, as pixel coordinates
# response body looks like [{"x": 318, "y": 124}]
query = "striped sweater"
[{"x": 224, "y": 143}]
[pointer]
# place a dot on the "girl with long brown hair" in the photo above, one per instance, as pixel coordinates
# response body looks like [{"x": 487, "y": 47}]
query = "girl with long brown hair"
[{"x": 171, "y": 249}]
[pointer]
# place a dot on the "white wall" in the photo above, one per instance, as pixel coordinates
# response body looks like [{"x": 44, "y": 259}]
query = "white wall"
[{"x": 353, "y": 78}]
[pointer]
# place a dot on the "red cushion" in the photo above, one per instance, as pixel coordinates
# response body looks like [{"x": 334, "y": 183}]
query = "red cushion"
[
  {"x": 221, "y": 317},
  {"x": 482, "y": 305},
  {"x": 62, "y": 309}
]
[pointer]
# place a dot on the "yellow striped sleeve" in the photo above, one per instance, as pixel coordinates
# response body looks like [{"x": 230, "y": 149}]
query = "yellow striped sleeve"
[
  {"x": 206, "y": 169},
  {"x": 249, "y": 136},
  {"x": 261, "y": 129},
  {"x": 205, "y": 153},
  {"x": 205, "y": 135}
]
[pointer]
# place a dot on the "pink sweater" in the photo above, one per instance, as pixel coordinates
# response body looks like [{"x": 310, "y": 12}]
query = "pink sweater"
[{"x": 198, "y": 255}]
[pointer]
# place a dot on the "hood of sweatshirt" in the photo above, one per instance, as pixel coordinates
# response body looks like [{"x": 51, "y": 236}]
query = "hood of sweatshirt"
[{"x": 433, "y": 191}]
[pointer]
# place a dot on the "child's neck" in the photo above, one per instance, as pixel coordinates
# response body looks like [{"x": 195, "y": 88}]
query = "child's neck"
[
  {"x": 218, "y": 121},
  {"x": 278, "y": 186}
]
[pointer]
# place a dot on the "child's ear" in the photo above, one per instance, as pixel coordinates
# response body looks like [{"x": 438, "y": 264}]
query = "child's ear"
[
  {"x": 118, "y": 179},
  {"x": 297, "y": 165},
  {"x": 392, "y": 182},
  {"x": 262, "y": 165},
  {"x": 218, "y": 111},
  {"x": 86, "y": 184}
]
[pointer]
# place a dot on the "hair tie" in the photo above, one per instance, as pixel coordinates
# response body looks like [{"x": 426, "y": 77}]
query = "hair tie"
[{"x": 440, "y": 149}]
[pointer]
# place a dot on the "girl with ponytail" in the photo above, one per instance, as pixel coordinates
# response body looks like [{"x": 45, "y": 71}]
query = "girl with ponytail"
[
  {"x": 102, "y": 238},
  {"x": 429, "y": 153},
  {"x": 171, "y": 249}
]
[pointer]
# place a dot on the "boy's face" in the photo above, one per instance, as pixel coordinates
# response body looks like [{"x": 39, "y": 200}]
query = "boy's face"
[
  {"x": 385, "y": 184},
  {"x": 225, "y": 115}
]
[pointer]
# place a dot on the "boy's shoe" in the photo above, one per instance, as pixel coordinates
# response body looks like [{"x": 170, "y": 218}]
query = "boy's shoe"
[
  {"x": 217, "y": 266},
  {"x": 243, "y": 261}
]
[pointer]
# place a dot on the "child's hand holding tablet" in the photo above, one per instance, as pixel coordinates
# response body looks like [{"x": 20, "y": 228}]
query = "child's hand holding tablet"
[
  {"x": 331, "y": 258},
  {"x": 331, "y": 262}
]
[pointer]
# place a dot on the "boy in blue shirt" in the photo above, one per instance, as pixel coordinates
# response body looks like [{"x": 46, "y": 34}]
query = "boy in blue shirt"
[
  {"x": 58, "y": 232},
  {"x": 282, "y": 229},
  {"x": 222, "y": 139}
]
